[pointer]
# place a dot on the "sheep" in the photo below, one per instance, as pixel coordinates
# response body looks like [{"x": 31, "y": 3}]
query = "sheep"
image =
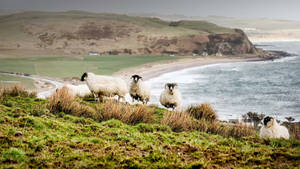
[
  {"x": 271, "y": 129},
  {"x": 100, "y": 86},
  {"x": 139, "y": 90},
  {"x": 170, "y": 97},
  {"x": 80, "y": 90}
]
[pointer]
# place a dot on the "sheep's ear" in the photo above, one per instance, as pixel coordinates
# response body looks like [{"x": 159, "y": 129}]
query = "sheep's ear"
[
  {"x": 131, "y": 77},
  {"x": 166, "y": 86}
]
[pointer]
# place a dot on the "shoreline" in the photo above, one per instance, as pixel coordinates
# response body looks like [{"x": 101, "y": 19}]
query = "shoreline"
[
  {"x": 266, "y": 39},
  {"x": 152, "y": 70}
]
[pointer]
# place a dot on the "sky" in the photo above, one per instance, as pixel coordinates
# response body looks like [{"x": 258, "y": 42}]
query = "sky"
[{"x": 274, "y": 9}]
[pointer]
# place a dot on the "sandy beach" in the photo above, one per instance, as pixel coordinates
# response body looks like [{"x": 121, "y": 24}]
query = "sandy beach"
[{"x": 148, "y": 71}]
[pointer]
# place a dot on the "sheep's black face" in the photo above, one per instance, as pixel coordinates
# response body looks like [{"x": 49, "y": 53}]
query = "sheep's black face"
[
  {"x": 267, "y": 120},
  {"x": 136, "y": 78},
  {"x": 84, "y": 76},
  {"x": 171, "y": 86}
]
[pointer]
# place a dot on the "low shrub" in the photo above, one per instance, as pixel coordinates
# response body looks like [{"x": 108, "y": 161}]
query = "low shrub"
[{"x": 253, "y": 117}]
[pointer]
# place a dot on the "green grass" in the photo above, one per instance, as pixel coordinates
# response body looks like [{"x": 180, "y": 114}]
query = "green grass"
[
  {"x": 66, "y": 141},
  {"x": 12, "y": 26},
  {"x": 66, "y": 66},
  {"x": 203, "y": 26},
  {"x": 6, "y": 80}
]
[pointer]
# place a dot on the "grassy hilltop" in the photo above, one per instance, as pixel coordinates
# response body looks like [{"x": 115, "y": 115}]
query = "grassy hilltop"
[
  {"x": 63, "y": 132},
  {"x": 77, "y": 32}
]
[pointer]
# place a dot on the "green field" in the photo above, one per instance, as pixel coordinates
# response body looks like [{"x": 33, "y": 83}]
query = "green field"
[
  {"x": 6, "y": 80},
  {"x": 67, "y": 66}
]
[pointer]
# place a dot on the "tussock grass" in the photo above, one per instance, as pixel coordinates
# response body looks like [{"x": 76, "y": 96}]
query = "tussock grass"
[
  {"x": 126, "y": 113},
  {"x": 178, "y": 121},
  {"x": 238, "y": 130},
  {"x": 63, "y": 101},
  {"x": 203, "y": 118},
  {"x": 294, "y": 129},
  {"x": 203, "y": 111},
  {"x": 15, "y": 90}
]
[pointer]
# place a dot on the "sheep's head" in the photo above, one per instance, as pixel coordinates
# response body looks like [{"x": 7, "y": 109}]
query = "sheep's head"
[
  {"x": 268, "y": 121},
  {"x": 84, "y": 76},
  {"x": 136, "y": 78},
  {"x": 171, "y": 87}
]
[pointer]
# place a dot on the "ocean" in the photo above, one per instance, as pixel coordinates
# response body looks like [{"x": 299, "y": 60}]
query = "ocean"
[{"x": 233, "y": 89}]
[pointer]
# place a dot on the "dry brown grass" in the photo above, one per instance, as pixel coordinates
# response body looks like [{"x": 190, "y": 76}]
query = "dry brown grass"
[
  {"x": 225, "y": 129},
  {"x": 203, "y": 111},
  {"x": 239, "y": 130},
  {"x": 294, "y": 129},
  {"x": 203, "y": 118},
  {"x": 178, "y": 121},
  {"x": 15, "y": 90},
  {"x": 126, "y": 113},
  {"x": 63, "y": 101}
]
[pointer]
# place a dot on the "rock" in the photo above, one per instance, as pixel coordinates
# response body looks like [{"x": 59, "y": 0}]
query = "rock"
[{"x": 18, "y": 133}]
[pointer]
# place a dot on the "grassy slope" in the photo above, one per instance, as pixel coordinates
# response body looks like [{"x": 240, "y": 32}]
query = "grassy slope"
[
  {"x": 12, "y": 25},
  {"x": 62, "y": 140}
]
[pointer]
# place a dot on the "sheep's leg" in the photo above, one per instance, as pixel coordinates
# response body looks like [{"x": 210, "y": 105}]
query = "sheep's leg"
[
  {"x": 101, "y": 98},
  {"x": 95, "y": 96},
  {"x": 121, "y": 97}
]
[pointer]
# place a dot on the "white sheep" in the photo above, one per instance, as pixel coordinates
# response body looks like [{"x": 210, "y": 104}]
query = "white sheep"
[
  {"x": 139, "y": 90},
  {"x": 170, "y": 97},
  {"x": 80, "y": 90},
  {"x": 109, "y": 86},
  {"x": 271, "y": 129}
]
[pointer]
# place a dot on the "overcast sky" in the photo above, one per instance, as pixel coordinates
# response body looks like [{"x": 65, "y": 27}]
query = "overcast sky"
[{"x": 280, "y": 9}]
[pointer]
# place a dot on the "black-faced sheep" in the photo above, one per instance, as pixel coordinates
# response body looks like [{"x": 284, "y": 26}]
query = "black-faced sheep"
[
  {"x": 271, "y": 129},
  {"x": 170, "y": 96},
  {"x": 109, "y": 86},
  {"x": 139, "y": 90}
]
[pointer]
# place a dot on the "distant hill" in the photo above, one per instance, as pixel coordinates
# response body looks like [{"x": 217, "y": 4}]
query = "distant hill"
[
  {"x": 78, "y": 32},
  {"x": 257, "y": 29}
]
